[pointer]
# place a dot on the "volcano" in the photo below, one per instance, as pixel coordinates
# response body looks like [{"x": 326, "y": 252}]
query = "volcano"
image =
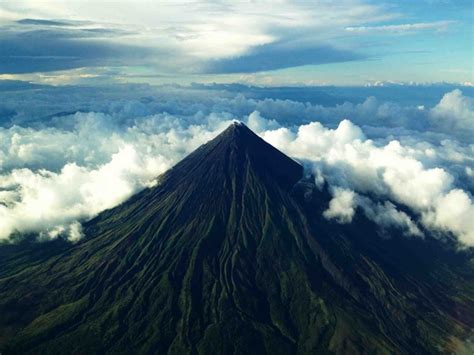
[{"x": 229, "y": 253}]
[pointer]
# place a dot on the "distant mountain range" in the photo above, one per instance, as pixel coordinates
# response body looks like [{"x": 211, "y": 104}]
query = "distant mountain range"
[{"x": 230, "y": 254}]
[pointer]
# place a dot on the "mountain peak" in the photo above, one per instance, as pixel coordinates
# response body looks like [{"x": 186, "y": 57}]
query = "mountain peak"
[
  {"x": 237, "y": 150},
  {"x": 238, "y": 130},
  {"x": 237, "y": 123}
]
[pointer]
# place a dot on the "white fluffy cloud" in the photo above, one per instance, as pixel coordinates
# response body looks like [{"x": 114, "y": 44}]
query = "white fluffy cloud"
[
  {"x": 453, "y": 212},
  {"x": 53, "y": 177},
  {"x": 391, "y": 172},
  {"x": 53, "y": 202},
  {"x": 455, "y": 112},
  {"x": 100, "y": 167},
  {"x": 342, "y": 206}
]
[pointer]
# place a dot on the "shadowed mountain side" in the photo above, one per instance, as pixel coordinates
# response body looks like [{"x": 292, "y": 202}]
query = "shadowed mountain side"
[{"x": 230, "y": 254}]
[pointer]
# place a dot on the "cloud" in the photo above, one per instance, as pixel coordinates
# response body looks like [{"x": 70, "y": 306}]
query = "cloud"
[
  {"x": 257, "y": 123},
  {"x": 31, "y": 21},
  {"x": 41, "y": 200},
  {"x": 52, "y": 202},
  {"x": 208, "y": 37},
  {"x": 277, "y": 55},
  {"x": 388, "y": 216},
  {"x": 174, "y": 41},
  {"x": 453, "y": 212},
  {"x": 55, "y": 48},
  {"x": 402, "y": 28},
  {"x": 67, "y": 149},
  {"x": 342, "y": 205},
  {"x": 391, "y": 172},
  {"x": 454, "y": 112},
  {"x": 453, "y": 115}
]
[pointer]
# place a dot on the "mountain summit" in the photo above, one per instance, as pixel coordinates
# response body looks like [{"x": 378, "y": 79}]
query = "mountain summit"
[
  {"x": 231, "y": 158},
  {"x": 239, "y": 149},
  {"x": 229, "y": 254}
]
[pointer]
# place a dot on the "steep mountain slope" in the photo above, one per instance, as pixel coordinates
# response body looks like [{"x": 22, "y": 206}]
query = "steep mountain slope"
[{"x": 229, "y": 253}]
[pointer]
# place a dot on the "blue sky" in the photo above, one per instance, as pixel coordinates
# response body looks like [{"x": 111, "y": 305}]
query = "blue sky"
[{"x": 352, "y": 42}]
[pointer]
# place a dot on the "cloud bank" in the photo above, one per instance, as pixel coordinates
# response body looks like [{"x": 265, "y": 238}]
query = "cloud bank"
[
  {"x": 392, "y": 172},
  {"x": 58, "y": 169},
  {"x": 55, "y": 178}
]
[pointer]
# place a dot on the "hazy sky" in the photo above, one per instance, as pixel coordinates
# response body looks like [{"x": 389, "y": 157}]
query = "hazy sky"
[{"x": 267, "y": 43}]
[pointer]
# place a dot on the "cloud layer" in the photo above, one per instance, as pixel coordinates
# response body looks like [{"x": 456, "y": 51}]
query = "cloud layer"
[{"x": 57, "y": 169}]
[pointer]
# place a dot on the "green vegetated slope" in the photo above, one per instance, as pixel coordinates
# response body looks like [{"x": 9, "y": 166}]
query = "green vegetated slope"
[{"x": 230, "y": 254}]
